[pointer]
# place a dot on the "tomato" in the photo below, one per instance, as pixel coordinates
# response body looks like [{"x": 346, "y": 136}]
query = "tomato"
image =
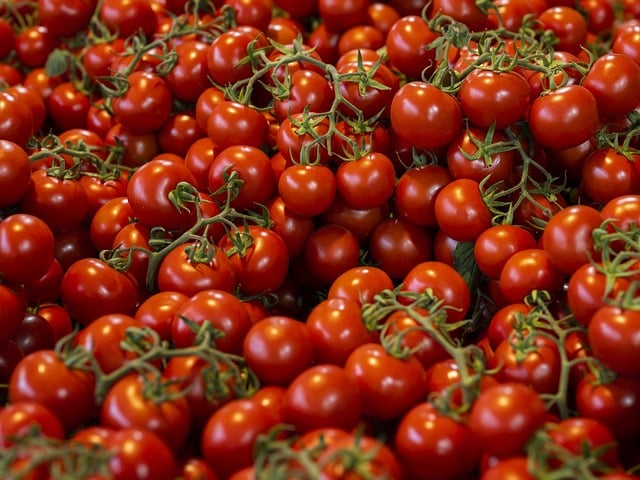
[
  {"x": 140, "y": 454},
  {"x": 613, "y": 333},
  {"x": 303, "y": 138},
  {"x": 16, "y": 120},
  {"x": 148, "y": 193},
  {"x": 34, "y": 333},
  {"x": 305, "y": 405},
  {"x": 406, "y": 43},
  {"x": 8, "y": 38},
  {"x": 568, "y": 25},
  {"x": 567, "y": 237},
  {"x": 277, "y": 349},
  {"x": 371, "y": 100},
  {"x": 445, "y": 283},
  {"x": 336, "y": 328},
  {"x": 12, "y": 313},
  {"x": 58, "y": 318},
  {"x": 307, "y": 89},
  {"x": 505, "y": 416},
  {"x": 607, "y": 173},
  {"x": 495, "y": 245},
  {"x": 529, "y": 270},
  {"x": 397, "y": 246},
  {"x": 330, "y": 251},
  {"x": 91, "y": 288},
  {"x": 294, "y": 229},
  {"x": 135, "y": 16},
  {"x": 66, "y": 391},
  {"x": 222, "y": 310},
  {"x": 424, "y": 115},
  {"x": 340, "y": 16},
  {"x": 263, "y": 265},
  {"x": 307, "y": 190},
  {"x": 128, "y": 404},
  {"x": 26, "y": 248},
  {"x": 514, "y": 468},
  {"x": 494, "y": 98},
  {"x": 360, "y": 222},
  {"x": 416, "y": 191},
  {"x": 461, "y": 211},
  {"x": 226, "y": 52},
  {"x": 614, "y": 404},
  {"x": 156, "y": 311},
  {"x": 627, "y": 41},
  {"x": 228, "y": 439},
  {"x": 366, "y": 182},
  {"x": 235, "y": 124},
  {"x": 18, "y": 418},
  {"x": 15, "y": 173},
  {"x": 389, "y": 386},
  {"x": 426, "y": 437},
  {"x": 34, "y": 44},
  {"x": 564, "y": 117},
  {"x": 540, "y": 207}
]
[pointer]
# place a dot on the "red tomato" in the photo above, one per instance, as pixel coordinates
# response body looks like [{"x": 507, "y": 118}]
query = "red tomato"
[
  {"x": 607, "y": 174},
  {"x": 330, "y": 251},
  {"x": 613, "y": 334},
  {"x": 495, "y": 245},
  {"x": 366, "y": 182},
  {"x": 307, "y": 190},
  {"x": 568, "y": 25},
  {"x": 156, "y": 312},
  {"x": 138, "y": 454},
  {"x": 15, "y": 173},
  {"x": 406, "y": 44},
  {"x": 505, "y": 416},
  {"x": 20, "y": 417},
  {"x": 514, "y": 468},
  {"x": 529, "y": 270},
  {"x": 305, "y": 401},
  {"x": 461, "y": 211},
  {"x": 426, "y": 437},
  {"x": 226, "y": 52},
  {"x": 416, "y": 191},
  {"x": 232, "y": 123}
]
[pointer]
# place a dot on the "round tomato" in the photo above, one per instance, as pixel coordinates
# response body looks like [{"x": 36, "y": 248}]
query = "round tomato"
[
  {"x": 407, "y": 46},
  {"x": 416, "y": 191},
  {"x": 15, "y": 173},
  {"x": 614, "y": 337},
  {"x": 330, "y": 251},
  {"x": 495, "y": 245},
  {"x": 461, "y": 211},
  {"x": 529, "y": 270},
  {"x": 19, "y": 418},
  {"x": 307, "y": 190},
  {"x": 140, "y": 454}
]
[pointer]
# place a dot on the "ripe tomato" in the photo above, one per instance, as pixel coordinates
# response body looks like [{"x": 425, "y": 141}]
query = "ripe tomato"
[
  {"x": 613, "y": 334},
  {"x": 308, "y": 89},
  {"x": 156, "y": 311},
  {"x": 12, "y": 313},
  {"x": 137, "y": 16},
  {"x": 305, "y": 406},
  {"x": 233, "y": 124},
  {"x": 514, "y": 468},
  {"x": 188, "y": 77},
  {"x": 426, "y": 437},
  {"x": 18, "y": 418},
  {"x": 138, "y": 454},
  {"x": 15, "y": 173},
  {"x": 461, "y": 211},
  {"x": 495, "y": 245},
  {"x": 424, "y": 115},
  {"x": 529, "y": 270},
  {"x": 330, "y": 251},
  {"x": 277, "y": 349},
  {"x": 607, "y": 173},
  {"x": 407, "y": 46},
  {"x": 307, "y": 190},
  {"x": 226, "y": 52},
  {"x": 416, "y": 191},
  {"x": 67, "y": 392},
  {"x": 366, "y": 182},
  {"x": 294, "y": 229},
  {"x": 568, "y": 25},
  {"x": 504, "y": 417}
]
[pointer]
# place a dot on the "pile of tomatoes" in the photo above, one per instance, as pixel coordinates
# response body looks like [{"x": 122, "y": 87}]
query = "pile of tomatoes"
[{"x": 319, "y": 239}]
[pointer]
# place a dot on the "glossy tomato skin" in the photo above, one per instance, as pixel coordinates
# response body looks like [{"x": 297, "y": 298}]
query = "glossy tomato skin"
[
  {"x": 330, "y": 251},
  {"x": 607, "y": 174},
  {"x": 416, "y": 191},
  {"x": 233, "y": 123},
  {"x": 613, "y": 337},
  {"x": 17, "y": 418},
  {"x": 139, "y": 454},
  {"x": 305, "y": 409},
  {"x": 13, "y": 311},
  {"x": 496, "y": 244},
  {"x": 15, "y": 173},
  {"x": 43, "y": 377},
  {"x": 460, "y": 210},
  {"x": 406, "y": 41},
  {"x": 91, "y": 288},
  {"x": 527, "y": 270},
  {"x": 425, "y": 436}
]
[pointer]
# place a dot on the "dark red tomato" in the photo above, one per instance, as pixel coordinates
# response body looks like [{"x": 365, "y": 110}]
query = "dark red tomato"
[
  {"x": 424, "y": 115},
  {"x": 613, "y": 334},
  {"x": 99, "y": 119},
  {"x": 339, "y": 16},
  {"x": 68, "y": 106},
  {"x": 495, "y": 245},
  {"x": 262, "y": 264},
  {"x": 627, "y": 41},
  {"x": 233, "y": 123},
  {"x": 98, "y": 58},
  {"x": 91, "y": 288},
  {"x": 564, "y": 117},
  {"x": 294, "y": 229},
  {"x": 58, "y": 318},
  {"x": 126, "y": 406},
  {"x": 330, "y": 251},
  {"x": 7, "y": 38},
  {"x": 145, "y": 106},
  {"x": 336, "y": 329},
  {"x": 444, "y": 247},
  {"x": 373, "y": 459},
  {"x": 252, "y": 166},
  {"x": 567, "y": 237},
  {"x": 585, "y": 436},
  {"x": 19, "y": 418},
  {"x": 529, "y": 270},
  {"x": 529, "y": 211},
  {"x": 34, "y": 101},
  {"x": 229, "y": 436},
  {"x": 100, "y": 191},
  {"x": 255, "y": 13},
  {"x": 277, "y": 349},
  {"x": 538, "y": 367},
  {"x": 305, "y": 405},
  {"x": 406, "y": 44},
  {"x": 61, "y": 203},
  {"x": 34, "y": 44},
  {"x": 511, "y": 13},
  {"x": 614, "y": 404},
  {"x": 135, "y": 16},
  {"x": 33, "y": 334},
  {"x": 222, "y": 310},
  {"x": 397, "y": 246},
  {"x": 10, "y": 75},
  {"x": 505, "y": 416},
  {"x": 67, "y": 392},
  {"x": 514, "y": 468},
  {"x": 65, "y": 22},
  {"x": 140, "y": 454},
  {"x": 361, "y": 223},
  {"x": 10, "y": 356},
  {"x": 360, "y": 284},
  {"x": 15, "y": 173},
  {"x": 307, "y": 190},
  {"x": 414, "y": 337},
  {"x": 445, "y": 284},
  {"x": 426, "y": 437},
  {"x": 13, "y": 311},
  {"x": 198, "y": 159},
  {"x": 16, "y": 120},
  {"x": 156, "y": 312},
  {"x": 306, "y": 145},
  {"x": 188, "y": 77},
  {"x": 226, "y": 52},
  {"x": 148, "y": 193},
  {"x": 178, "y": 133},
  {"x": 371, "y": 100},
  {"x": 360, "y": 36},
  {"x": 104, "y": 338},
  {"x": 108, "y": 220},
  {"x": 416, "y": 191},
  {"x": 137, "y": 149},
  {"x": 389, "y": 386},
  {"x": 568, "y": 25},
  {"x": 607, "y": 174},
  {"x": 298, "y": 9},
  {"x": 26, "y": 248},
  {"x": 503, "y": 321},
  {"x": 195, "y": 468},
  {"x": 366, "y": 182},
  {"x": 614, "y": 81},
  {"x": 307, "y": 89},
  {"x": 461, "y": 211}
]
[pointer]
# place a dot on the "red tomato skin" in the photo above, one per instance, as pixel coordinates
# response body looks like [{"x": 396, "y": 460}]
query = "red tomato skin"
[{"x": 614, "y": 337}]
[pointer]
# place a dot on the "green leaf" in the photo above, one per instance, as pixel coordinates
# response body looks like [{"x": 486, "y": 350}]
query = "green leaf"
[{"x": 465, "y": 264}]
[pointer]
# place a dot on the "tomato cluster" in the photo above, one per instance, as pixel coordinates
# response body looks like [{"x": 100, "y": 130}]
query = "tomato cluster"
[{"x": 323, "y": 239}]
